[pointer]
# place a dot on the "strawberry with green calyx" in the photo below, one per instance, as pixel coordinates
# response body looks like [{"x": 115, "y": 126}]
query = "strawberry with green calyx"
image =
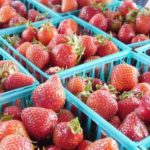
[
  {"x": 131, "y": 16},
  {"x": 106, "y": 46},
  {"x": 68, "y": 135},
  {"x": 17, "y": 21},
  {"x": 129, "y": 101},
  {"x": 53, "y": 70}
]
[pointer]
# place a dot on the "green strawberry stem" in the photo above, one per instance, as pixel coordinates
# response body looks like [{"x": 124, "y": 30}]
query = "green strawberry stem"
[
  {"x": 41, "y": 16},
  {"x": 84, "y": 95},
  {"x": 101, "y": 39},
  {"x": 144, "y": 12},
  {"x": 12, "y": 39},
  {"x": 75, "y": 126},
  {"x": 100, "y": 5},
  {"x": 5, "y": 117}
]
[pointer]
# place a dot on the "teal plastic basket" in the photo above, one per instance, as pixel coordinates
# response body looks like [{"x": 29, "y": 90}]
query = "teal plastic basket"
[
  {"x": 94, "y": 126},
  {"x": 30, "y": 4},
  {"x": 139, "y": 44},
  {"x": 36, "y": 71},
  {"x": 105, "y": 66},
  {"x": 6, "y": 56}
]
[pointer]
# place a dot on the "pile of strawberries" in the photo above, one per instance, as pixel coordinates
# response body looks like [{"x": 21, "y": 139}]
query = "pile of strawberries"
[
  {"x": 15, "y": 13},
  {"x": 124, "y": 101},
  {"x": 54, "y": 49},
  {"x": 129, "y": 24},
  {"x": 63, "y": 6},
  {"x": 11, "y": 78},
  {"x": 46, "y": 123}
]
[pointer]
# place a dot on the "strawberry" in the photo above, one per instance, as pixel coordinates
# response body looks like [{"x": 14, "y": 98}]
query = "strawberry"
[
  {"x": 90, "y": 44},
  {"x": 58, "y": 39},
  {"x": 82, "y": 3},
  {"x": 65, "y": 116},
  {"x": 143, "y": 111},
  {"x": 23, "y": 48},
  {"x": 46, "y": 95},
  {"x": 83, "y": 145},
  {"x": 91, "y": 58},
  {"x": 16, "y": 142},
  {"x": 20, "y": 7},
  {"x": 68, "y": 5},
  {"x": 45, "y": 2},
  {"x": 115, "y": 25},
  {"x": 55, "y": 2},
  {"x": 76, "y": 85},
  {"x": 38, "y": 55},
  {"x": 106, "y": 47},
  {"x": 133, "y": 127},
  {"x": 34, "y": 15},
  {"x": 99, "y": 21},
  {"x": 139, "y": 38},
  {"x": 115, "y": 121},
  {"x": 124, "y": 77},
  {"x": 12, "y": 127},
  {"x": 104, "y": 103},
  {"x": 5, "y": 2},
  {"x": 16, "y": 21},
  {"x": 96, "y": 82},
  {"x": 39, "y": 121},
  {"x": 68, "y": 135},
  {"x": 126, "y": 33},
  {"x": 145, "y": 77},
  {"x": 143, "y": 20},
  {"x": 52, "y": 148},
  {"x": 46, "y": 33},
  {"x": 7, "y": 67},
  {"x": 88, "y": 12},
  {"x": 14, "y": 111},
  {"x": 68, "y": 27},
  {"x": 17, "y": 80},
  {"x": 142, "y": 87},
  {"x": 127, "y": 104},
  {"x": 53, "y": 70},
  {"x": 127, "y": 6},
  {"x": 57, "y": 8},
  {"x": 103, "y": 144}
]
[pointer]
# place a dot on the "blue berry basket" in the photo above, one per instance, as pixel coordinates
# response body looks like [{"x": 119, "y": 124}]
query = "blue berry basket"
[
  {"x": 6, "y": 56},
  {"x": 56, "y": 22},
  {"x": 105, "y": 65},
  {"x": 139, "y": 44},
  {"x": 30, "y": 4},
  {"x": 94, "y": 126}
]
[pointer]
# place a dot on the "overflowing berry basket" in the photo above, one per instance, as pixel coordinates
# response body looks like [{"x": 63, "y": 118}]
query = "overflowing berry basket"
[
  {"x": 81, "y": 49},
  {"x": 93, "y": 83},
  {"x": 14, "y": 78}
]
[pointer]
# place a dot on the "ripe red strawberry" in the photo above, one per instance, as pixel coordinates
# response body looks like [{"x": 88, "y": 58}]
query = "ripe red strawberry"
[
  {"x": 65, "y": 116},
  {"x": 7, "y": 13},
  {"x": 45, "y": 2},
  {"x": 145, "y": 77},
  {"x": 82, "y": 3},
  {"x": 124, "y": 77},
  {"x": 69, "y": 5},
  {"x": 54, "y": 2},
  {"x": 143, "y": 111},
  {"x": 16, "y": 142},
  {"x": 34, "y": 15},
  {"x": 106, "y": 47},
  {"x": 91, "y": 58},
  {"x": 139, "y": 38},
  {"x": 53, "y": 70},
  {"x": 38, "y": 55},
  {"x": 50, "y": 94},
  {"x": 52, "y": 148},
  {"x": 58, "y": 39},
  {"x": 104, "y": 103},
  {"x": 29, "y": 34},
  {"x": 14, "y": 111},
  {"x": 127, "y": 6},
  {"x": 133, "y": 127},
  {"x": 17, "y": 80},
  {"x": 39, "y": 122},
  {"x": 88, "y": 12},
  {"x": 83, "y": 145},
  {"x": 68, "y": 135},
  {"x": 90, "y": 44},
  {"x": 143, "y": 20},
  {"x": 68, "y": 27},
  {"x": 7, "y": 67},
  {"x": 5, "y": 2},
  {"x": 127, "y": 104},
  {"x": 12, "y": 127},
  {"x": 126, "y": 33},
  {"x": 115, "y": 121},
  {"x": 96, "y": 82},
  {"x": 46, "y": 33},
  {"x": 20, "y": 7},
  {"x": 16, "y": 21},
  {"x": 99, "y": 21},
  {"x": 23, "y": 48},
  {"x": 104, "y": 144},
  {"x": 142, "y": 87}
]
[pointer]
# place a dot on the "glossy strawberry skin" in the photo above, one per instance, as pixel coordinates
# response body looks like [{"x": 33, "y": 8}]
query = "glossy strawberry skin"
[
  {"x": 39, "y": 121},
  {"x": 50, "y": 95},
  {"x": 16, "y": 21},
  {"x": 115, "y": 121},
  {"x": 145, "y": 77},
  {"x": 83, "y": 145},
  {"x": 139, "y": 38},
  {"x": 103, "y": 102}
]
